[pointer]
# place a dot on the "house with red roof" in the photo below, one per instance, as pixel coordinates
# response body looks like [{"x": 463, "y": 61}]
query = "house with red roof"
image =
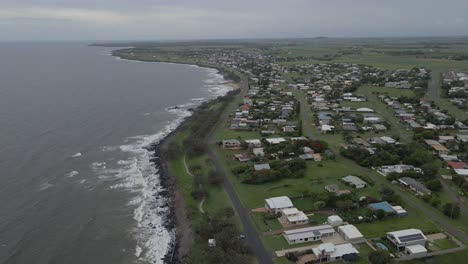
[{"x": 457, "y": 165}]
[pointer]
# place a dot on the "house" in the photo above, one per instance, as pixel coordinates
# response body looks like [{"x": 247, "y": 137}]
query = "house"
[
  {"x": 294, "y": 217},
  {"x": 354, "y": 181},
  {"x": 399, "y": 211},
  {"x": 308, "y": 150},
  {"x": 275, "y": 204},
  {"x": 435, "y": 145},
  {"x": 364, "y": 110},
  {"x": 416, "y": 251},
  {"x": 462, "y": 172},
  {"x": 307, "y": 234},
  {"x": 242, "y": 157},
  {"x": 388, "y": 140},
  {"x": 261, "y": 167},
  {"x": 258, "y": 152},
  {"x": 408, "y": 237},
  {"x": 329, "y": 252},
  {"x": 414, "y": 185},
  {"x": 254, "y": 143},
  {"x": 231, "y": 144},
  {"x": 361, "y": 142},
  {"x": 350, "y": 233},
  {"x": 372, "y": 119},
  {"x": 275, "y": 141},
  {"x": 326, "y": 128},
  {"x": 457, "y": 165},
  {"x": 399, "y": 168},
  {"x": 289, "y": 129},
  {"x": 307, "y": 156},
  {"x": 317, "y": 157},
  {"x": 445, "y": 139},
  {"x": 379, "y": 127}
]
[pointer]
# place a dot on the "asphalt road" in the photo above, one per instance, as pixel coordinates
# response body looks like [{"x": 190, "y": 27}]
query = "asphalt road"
[
  {"x": 454, "y": 196},
  {"x": 251, "y": 234},
  {"x": 432, "y": 89}
]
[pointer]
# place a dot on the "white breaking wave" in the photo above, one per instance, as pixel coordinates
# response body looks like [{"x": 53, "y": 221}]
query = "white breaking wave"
[
  {"x": 71, "y": 174},
  {"x": 139, "y": 176}
]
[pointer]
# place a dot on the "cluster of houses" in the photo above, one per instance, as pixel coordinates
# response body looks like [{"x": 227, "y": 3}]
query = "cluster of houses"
[
  {"x": 406, "y": 79},
  {"x": 271, "y": 109},
  {"x": 256, "y": 148},
  {"x": 338, "y": 237},
  {"x": 267, "y": 110},
  {"x": 421, "y": 115},
  {"x": 456, "y": 83}
]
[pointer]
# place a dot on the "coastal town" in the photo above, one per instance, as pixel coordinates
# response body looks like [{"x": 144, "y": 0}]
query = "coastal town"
[{"x": 330, "y": 161}]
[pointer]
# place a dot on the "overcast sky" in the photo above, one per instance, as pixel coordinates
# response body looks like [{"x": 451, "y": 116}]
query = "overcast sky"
[{"x": 206, "y": 19}]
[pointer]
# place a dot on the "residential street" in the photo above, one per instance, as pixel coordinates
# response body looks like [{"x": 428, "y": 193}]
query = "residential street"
[
  {"x": 251, "y": 234},
  {"x": 432, "y": 89}
]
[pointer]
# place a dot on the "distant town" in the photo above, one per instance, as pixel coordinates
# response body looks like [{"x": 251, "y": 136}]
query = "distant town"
[{"x": 327, "y": 151}]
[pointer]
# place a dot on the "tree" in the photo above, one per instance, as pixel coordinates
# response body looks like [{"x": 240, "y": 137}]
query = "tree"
[
  {"x": 434, "y": 185},
  {"x": 430, "y": 170},
  {"x": 215, "y": 178},
  {"x": 451, "y": 210},
  {"x": 319, "y": 205},
  {"x": 380, "y": 257},
  {"x": 380, "y": 214}
]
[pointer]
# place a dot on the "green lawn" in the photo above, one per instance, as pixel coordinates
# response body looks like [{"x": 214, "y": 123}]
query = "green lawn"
[
  {"x": 315, "y": 179},
  {"x": 226, "y": 133},
  {"x": 441, "y": 244},
  {"x": 453, "y": 258},
  {"x": 364, "y": 251},
  {"x": 379, "y": 228},
  {"x": 263, "y": 223}
]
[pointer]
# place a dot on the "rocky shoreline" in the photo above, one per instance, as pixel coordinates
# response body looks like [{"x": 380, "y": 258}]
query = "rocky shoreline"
[{"x": 176, "y": 219}]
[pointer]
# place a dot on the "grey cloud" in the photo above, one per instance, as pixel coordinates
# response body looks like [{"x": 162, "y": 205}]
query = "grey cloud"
[{"x": 186, "y": 19}]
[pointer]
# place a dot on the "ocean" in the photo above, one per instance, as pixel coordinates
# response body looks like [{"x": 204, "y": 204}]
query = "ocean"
[{"x": 76, "y": 182}]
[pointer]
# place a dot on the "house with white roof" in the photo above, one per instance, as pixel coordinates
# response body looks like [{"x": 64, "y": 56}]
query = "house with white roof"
[
  {"x": 254, "y": 143},
  {"x": 408, "y": 237},
  {"x": 326, "y": 128},
  {"x": 365, "y": 110},
  {"x": 308, "y": 234},
  {"x": 275, "y": 204},
  {"x": 293, "y": 216},
  {"x": 354, "y": 181},
  {"x": 329, "y": 252},
  {"x": 275, "y": 141}
]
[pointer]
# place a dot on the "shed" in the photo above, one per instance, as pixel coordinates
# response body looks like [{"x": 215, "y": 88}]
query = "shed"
[
  {"x": 416, "y": 251},
  {"x": 350, "y": 233},
  {"x": 334, "y": 220}
]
